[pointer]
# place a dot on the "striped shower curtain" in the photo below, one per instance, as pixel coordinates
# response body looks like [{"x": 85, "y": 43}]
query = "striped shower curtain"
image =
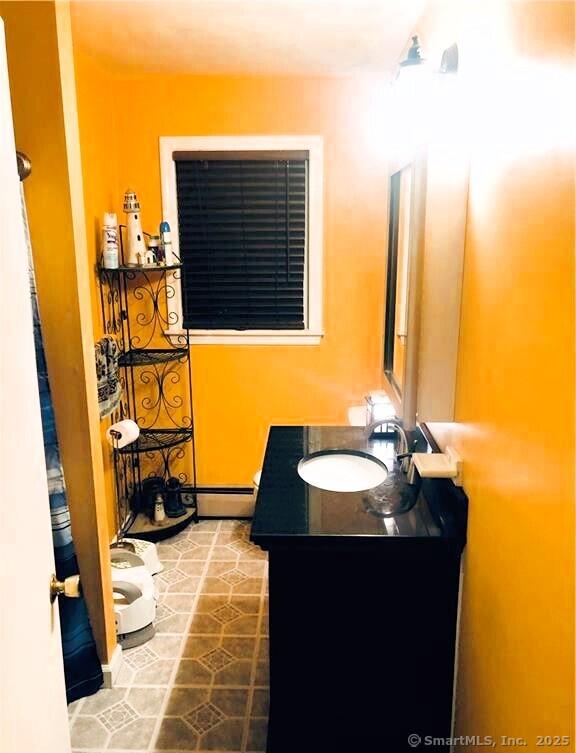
[{"x": 82, "y": 669}]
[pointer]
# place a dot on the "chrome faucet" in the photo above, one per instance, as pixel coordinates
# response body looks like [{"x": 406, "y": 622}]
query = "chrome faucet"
[{"x": 403, "y": 454}]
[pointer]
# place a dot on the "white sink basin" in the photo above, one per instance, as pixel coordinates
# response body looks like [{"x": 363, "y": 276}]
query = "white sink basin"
[{"x": 342, "y": 471}]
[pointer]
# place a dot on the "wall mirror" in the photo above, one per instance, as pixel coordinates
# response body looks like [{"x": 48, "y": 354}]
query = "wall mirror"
[
  {"x": 427, "y": 221},
  {"x": 398, "y": 277}
]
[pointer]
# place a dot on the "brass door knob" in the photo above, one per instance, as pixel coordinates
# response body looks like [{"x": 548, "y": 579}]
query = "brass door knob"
[{"x": 69, "y": 587}]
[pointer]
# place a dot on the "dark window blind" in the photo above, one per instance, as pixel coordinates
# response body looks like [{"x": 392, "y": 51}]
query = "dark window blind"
[{"x": 242, "y": 230}]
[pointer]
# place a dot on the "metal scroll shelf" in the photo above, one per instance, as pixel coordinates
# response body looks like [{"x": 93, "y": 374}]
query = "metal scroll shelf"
[
  {"x": 153, "y": 440},
  {"x": 156, "y": 377}
]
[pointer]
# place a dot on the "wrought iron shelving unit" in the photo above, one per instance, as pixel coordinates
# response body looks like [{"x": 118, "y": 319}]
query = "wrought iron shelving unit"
[{"x": 156, "y": 377}]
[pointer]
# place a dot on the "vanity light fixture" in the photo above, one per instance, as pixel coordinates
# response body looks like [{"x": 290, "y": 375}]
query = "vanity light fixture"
[
  {"x": 415, "y": 61},
  {"x": 414, "y": 55},
  {"x": 449, "y": 61}
]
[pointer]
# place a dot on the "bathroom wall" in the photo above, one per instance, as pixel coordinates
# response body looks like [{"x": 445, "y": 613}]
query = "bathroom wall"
[
  {"x": 240, "y": 390},
  {"x": 100, "y": 158},
  {"x": 515, "y": 391},
  {"x": 43, "y": 101}
]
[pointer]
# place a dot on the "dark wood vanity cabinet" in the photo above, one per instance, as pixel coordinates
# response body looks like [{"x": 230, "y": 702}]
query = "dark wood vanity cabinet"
[
  {"x": 361, "y": 648},
  {"x": 363, "y": 611}
]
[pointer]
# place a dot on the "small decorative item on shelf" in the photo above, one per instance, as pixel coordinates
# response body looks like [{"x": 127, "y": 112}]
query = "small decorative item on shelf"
[
  {"x": 152, "y": 487},
  {"x": 110, "y": 254},
  {"x": 159, "y": 512},
  {"x": 153, "y": 250},
  {"x": 166, "y": 245},
  {"x": 135, "y": 234}
]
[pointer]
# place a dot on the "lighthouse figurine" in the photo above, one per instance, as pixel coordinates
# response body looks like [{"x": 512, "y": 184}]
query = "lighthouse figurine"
[{"x": 135, "y": 235}]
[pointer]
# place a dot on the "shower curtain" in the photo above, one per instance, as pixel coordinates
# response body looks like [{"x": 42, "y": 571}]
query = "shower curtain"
[{"x": 82, "y": 669}]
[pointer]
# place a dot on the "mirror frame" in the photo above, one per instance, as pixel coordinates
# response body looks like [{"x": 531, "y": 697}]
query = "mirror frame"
[{"x": 404, "y": 396}]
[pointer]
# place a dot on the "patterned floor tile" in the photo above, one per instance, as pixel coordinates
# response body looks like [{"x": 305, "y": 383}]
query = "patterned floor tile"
[
  {"x": 172, "y": 575},
  {"x": 216, "y": 659},
  {"x": 184, "y": 700},
  {"x": 201, "y": 684},
  {"x": 224, "y": 736},
  {"x": 117, "y": 716},
  {"x": 257, "y": 735},
  {"x": 199, "y": 553},
  {"x": 262, "y": 676},
  {"x": 163, "y": 611},
  {"x": 187, "y": 585},
  {"x": 208, "y": 525},
  {"x": 263, "y": 649},
  {"x": 88, "y": 732},
  {"x": 74, "y": 707},
  {"x": 184, "y": 545},
  {"x": 102, "y": 700},
  {"x": 235, "y": 525},
  {"x": 181, "y": 603},
  {"x": 197, "y": 645},
  {"x": 167, "y": 552},
  {"x": 175, "y": 623},
  {"x": 233, "y": 702},
  {"x": 146, "y": 701},
  {"x": 204, "y": 718},
  {"x": 174, "y": 735},
  {"x": 155, "y": 674},
  {"x": 192, "y": 672},
  {"x": 260, "y": 702},
  {"x": 136, "y": 735},
  {"x": 166, "y": 646},
  {"x": 137, "y": 658}
]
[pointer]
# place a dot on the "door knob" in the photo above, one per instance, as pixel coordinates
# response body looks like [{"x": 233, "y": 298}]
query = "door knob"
[{"x": 69, "y": 587}]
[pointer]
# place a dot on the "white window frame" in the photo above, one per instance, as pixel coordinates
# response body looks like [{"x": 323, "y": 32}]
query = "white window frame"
[{"x": 313, "y": 306}]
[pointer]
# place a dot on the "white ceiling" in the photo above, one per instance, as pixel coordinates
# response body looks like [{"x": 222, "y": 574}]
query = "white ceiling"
[{"x": 303, "y": 37}]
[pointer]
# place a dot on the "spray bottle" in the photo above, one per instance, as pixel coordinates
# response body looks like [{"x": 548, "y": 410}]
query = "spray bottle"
[{"x": 110, "y": 241}]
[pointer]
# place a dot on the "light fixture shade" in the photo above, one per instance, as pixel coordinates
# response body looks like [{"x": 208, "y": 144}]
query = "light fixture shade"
[
  {"x": 414, "y": 56},
  {"x": 449, "y": 62}
]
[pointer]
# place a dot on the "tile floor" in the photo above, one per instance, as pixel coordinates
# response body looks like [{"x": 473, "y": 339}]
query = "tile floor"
[{"x": 201, "y": 684}]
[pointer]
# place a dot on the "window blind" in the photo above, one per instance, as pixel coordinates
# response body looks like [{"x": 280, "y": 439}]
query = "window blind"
[{"x": 242, "y": 232}]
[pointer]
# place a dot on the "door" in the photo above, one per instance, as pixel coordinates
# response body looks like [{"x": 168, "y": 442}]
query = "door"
[{"x": 33, "y": 713}]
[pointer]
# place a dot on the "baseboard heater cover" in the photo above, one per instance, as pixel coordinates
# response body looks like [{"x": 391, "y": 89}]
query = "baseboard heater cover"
[{"x": 225, "y": 502}]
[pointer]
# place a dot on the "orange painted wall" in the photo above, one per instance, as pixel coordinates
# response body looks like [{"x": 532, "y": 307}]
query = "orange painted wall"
[
  {"x": 100, "y": 157},
  {"x": 515, "y": 394},
  {"x": 240, "y": 390}
]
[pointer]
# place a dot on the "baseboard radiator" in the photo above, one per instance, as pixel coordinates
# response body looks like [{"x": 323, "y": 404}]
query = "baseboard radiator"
[{"x": 225, "y": 501}]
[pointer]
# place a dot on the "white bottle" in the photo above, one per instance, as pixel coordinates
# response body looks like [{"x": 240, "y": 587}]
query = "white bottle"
[
  {"x": 135, "y": 235},
  {"x": 159, "y": 513},
  {"x": 110, "y": 255}
]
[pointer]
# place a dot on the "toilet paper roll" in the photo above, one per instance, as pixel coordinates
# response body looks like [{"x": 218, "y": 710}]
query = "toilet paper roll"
[{"x": 128, "y": 431}]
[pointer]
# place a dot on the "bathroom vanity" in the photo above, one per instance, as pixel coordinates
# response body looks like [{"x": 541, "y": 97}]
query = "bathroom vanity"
[{"x": 363, "y": 599}]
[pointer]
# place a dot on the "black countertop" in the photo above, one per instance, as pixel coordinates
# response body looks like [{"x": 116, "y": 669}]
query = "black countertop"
[{"x": 289, "y": 510}]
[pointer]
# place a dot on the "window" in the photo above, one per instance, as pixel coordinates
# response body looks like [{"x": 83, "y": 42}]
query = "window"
[{"x": 246, "y": 218}]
